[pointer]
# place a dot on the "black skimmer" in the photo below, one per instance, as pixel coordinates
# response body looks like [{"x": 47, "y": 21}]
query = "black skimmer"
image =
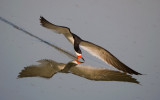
[
  {"x": 47, "y": 68},
  {"x": 93, "y": 49}
]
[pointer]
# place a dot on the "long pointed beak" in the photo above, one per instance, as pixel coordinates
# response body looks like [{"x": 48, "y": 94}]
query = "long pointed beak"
[
  {"x": 78, "y": 61},
  {"x": 81, "y": 62},
  {"x": 83, "y": 59}
]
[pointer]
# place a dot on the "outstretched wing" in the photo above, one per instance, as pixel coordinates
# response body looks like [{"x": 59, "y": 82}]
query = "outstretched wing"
[
  {"x": 56, "y": 28},
  {"x": 106, "y": 56},
  {"x": 46, "y": 69},
  {"x": 101, "y": 74}
]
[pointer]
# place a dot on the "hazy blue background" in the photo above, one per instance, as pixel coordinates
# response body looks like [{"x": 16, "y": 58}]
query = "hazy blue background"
[{"x": 130, "y": 29}]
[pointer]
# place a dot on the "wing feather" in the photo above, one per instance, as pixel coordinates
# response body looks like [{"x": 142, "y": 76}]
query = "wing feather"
[
  {"x": 58, "y": 29},
  {"x": 106, "y": 56},
  {"x": 46, "y": 69},
  {"x": 101, "y": 74}
]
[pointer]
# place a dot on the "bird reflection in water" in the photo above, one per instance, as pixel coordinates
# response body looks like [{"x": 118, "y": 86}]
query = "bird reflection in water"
[{"x": 47, "y": 68}]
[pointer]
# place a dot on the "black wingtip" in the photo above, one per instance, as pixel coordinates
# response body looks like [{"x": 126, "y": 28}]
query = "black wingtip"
[
  {"x": 43, "y": 21},
  {"x": 135, "y": 73},
  {"x": 139, "y": 74},
  {"x": 41, "y": 17},
  {"x": 132, "y": 72}
]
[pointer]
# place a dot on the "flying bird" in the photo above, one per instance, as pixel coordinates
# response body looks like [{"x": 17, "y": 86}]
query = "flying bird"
[
  {"x": 92, "y": 48},
  {"x": 47, "y": 68}
]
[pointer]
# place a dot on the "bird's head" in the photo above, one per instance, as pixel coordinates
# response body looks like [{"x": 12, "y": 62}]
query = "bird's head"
[{"x": 79, "y": 56}]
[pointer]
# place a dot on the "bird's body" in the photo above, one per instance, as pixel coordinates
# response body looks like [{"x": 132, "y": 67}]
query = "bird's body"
[{"x": 92, "y": 48}]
